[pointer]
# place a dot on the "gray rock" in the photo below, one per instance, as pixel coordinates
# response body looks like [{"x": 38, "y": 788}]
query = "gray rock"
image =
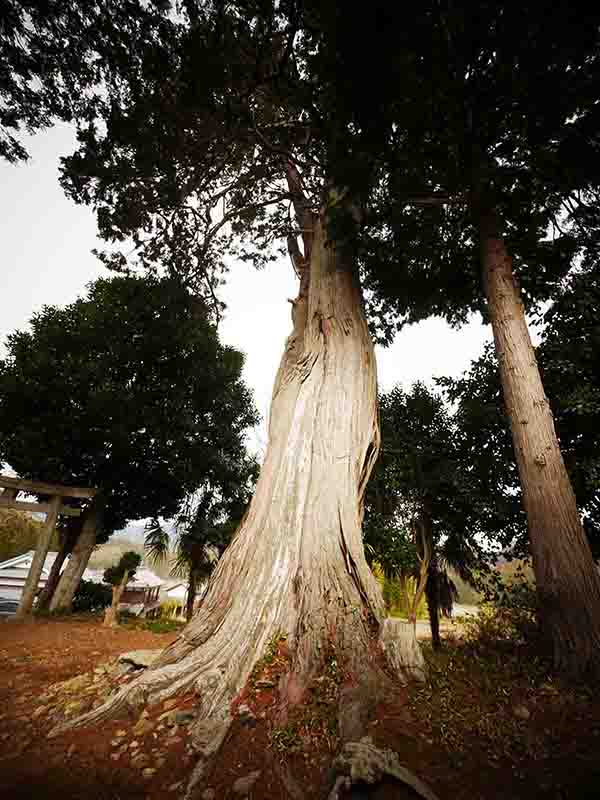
[
  {"x": 140, "y": 658},
  {"x": 522, "y": 712},
  {"x": 243, "y": 786}
]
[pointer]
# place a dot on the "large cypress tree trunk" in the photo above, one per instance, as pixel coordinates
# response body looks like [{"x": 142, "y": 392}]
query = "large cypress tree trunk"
[
  {"x": 567, "y": 581},
  {"x": 296, "y": 565},
  {"x": 71, "y": 576}
]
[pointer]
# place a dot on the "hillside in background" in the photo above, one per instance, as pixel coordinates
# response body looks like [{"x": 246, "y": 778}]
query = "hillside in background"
[
  {"x": 19, "y": 533},
  {"x": 109, "y": 554}
]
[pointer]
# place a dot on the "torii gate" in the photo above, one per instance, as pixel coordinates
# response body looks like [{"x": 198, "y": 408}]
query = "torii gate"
[{"x": 52, "y": 508}]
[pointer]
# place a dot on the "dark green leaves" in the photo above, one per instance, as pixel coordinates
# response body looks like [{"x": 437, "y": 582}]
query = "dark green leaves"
[{"x": 129, "y": 390}]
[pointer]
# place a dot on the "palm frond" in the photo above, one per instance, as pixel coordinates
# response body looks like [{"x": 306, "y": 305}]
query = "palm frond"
[{"x": 156, "y": 542}]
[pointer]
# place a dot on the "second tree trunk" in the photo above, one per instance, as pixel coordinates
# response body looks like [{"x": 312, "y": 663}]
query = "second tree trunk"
[{"x": 567, "y": 580}]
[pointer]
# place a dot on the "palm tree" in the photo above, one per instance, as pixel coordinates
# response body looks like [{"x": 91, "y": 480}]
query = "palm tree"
[{"x": 203, "y": 529}]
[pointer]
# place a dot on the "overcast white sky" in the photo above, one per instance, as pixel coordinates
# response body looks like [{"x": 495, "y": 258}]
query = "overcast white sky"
[{"x": 45, "y": 258}]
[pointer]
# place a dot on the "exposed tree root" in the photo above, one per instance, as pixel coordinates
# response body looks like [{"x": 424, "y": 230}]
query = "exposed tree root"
[{"x": 363, "y": 762}]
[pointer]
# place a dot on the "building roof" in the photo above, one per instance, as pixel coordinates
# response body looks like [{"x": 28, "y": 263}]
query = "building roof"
[
  {"x": 14, "y": 571},
  {"x": 23, "y": 562},
  {"x": 177, "y": 591},
  {"x": 17, "y": 568},
  {"x": 144, "y": 578}
]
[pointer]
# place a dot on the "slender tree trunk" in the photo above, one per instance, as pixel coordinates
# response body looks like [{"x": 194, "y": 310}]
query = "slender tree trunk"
[
  {"x": 424, "y": 542},
  {"x": 47, "y": 592},
  {"x": 567, "y": 581},
  {"x": 71, "y": 575},
  {"x": 31, "y": 583},
  {"x": 296, "y": 566},
  {"x": 111, "y": 615},
  {"x": 191, "y": 596},
  {"x": 432, "y": 593}
]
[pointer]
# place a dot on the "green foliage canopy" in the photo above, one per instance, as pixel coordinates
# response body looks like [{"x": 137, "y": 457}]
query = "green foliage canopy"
[
  {"x": 128, "y": 564},
  {"x": 128, "y": 390}
]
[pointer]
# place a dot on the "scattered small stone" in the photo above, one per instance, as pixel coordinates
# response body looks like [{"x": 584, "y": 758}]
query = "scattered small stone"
[
  {"x": 139, "y": 658},
  {"x": 121, "y": 733},
  {"x": 148, "y": 772},
  {"x": 139, "y": 760},
  {"x": 208, "y": 794},
  {"x": 115, "y": 756},
  {"x": 134, "y": 745},
  {"x": 243, "y": 786},
  {"x": 116, "y": 743},
  {"x": 264, "y": 683},
  {"x": 522, "y": 712}
]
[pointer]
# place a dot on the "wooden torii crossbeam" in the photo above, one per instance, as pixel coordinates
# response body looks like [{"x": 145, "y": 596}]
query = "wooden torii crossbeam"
[{"x": 52, "y": 508}]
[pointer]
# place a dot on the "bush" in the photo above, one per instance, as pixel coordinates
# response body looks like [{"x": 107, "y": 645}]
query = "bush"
[
  {"x": 510, "y": 612},
  {"x": 91, "y": 596}
]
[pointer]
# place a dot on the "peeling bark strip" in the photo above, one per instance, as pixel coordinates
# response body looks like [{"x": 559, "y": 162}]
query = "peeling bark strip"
[
  {"x": 296, "y": 565},
  {"x": 567, "y": 581}
]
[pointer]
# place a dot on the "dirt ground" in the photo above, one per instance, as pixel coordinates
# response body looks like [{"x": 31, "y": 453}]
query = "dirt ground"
[{"x": 459, "y": 731}]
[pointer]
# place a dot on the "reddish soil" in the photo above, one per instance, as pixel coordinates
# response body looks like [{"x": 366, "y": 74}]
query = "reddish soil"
[{"x": 80, "y": 765}]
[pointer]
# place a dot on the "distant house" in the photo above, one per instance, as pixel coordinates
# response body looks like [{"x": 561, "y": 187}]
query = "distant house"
[
  {"x": 14, "y": 572},
  {"x": 141, "y": 596}
]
